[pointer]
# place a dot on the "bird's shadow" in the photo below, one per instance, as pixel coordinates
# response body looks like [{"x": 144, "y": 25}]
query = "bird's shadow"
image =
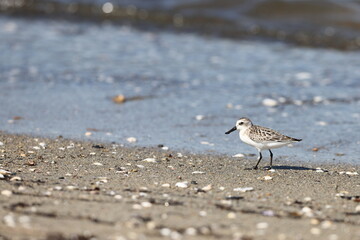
[{"x": 286, "y": 167}]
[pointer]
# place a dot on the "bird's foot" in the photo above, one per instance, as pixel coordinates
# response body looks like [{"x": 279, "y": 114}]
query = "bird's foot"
[
  {"x": 268, "y": 168},
  {"x": 255, "y": 168}
]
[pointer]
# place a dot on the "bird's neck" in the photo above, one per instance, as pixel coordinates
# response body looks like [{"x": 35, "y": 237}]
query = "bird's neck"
[{"x": 244, "y": 130}]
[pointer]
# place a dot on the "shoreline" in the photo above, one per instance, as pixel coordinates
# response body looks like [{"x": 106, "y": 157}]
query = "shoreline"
[
  {"x": 249, "y": 157},
  {"x": 65, "y": 189}
]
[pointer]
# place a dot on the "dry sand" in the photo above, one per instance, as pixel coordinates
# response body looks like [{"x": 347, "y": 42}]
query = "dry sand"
[{"x": 63, "y": 189}]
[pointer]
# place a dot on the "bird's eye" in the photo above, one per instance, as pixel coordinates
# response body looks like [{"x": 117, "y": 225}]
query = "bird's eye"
[{"x": 240, "y": 123}]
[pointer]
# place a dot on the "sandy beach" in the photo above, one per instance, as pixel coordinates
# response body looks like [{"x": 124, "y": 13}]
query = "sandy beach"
[
  {"x": 113, "y": 116},
  {"x": 64, "y": 189}
]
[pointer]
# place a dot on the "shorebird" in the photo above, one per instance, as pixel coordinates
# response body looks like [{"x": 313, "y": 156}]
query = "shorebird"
[{"x": 261, "y": 138}]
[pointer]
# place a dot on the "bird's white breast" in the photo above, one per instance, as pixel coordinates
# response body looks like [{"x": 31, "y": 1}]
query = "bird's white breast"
[{"x": 246, "y": 139}]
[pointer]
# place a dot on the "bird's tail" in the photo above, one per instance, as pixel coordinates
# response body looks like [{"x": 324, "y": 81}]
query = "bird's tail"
[{"x": 296, "y": 139}]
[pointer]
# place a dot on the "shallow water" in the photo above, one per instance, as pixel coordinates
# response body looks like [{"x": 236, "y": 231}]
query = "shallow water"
[
  {"x": 325, "y": 23},
  {"x": 58, "y": 78}
]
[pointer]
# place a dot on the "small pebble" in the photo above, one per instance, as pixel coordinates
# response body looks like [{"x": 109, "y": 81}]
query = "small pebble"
[
  {"x": 231, "y": 215},
  {"x": 239, "y": 155},
  {"x": 268, "y": 213},
  {"x": 118, "y": 197},
  {"x": 199, "y": 117},
  {"x": 4, "y": 172},
  {"x": 137, "y": 206},
  {"x": 206, "y": 143},
  {"x": 165, "y": 232},
  {"x": 298, "y": 102},
  {"x": 6, "y": 193},
  {"x": 265, "y": 178},
  {"x": 314, "y": 221},
  {"x": 16, "y": 178},
  {"x": 146, "y": 204},
  {"x": 244, "y": 189},
  {"x": 203, "y": 213},
  {"x": 282, "y": 100},
  {"x": 207, "y": 188},
  {"x": 341, "y": 193},
  {"x": 9, "y": 220},
  {"x": 103, "y": 179},
  {"x": 307, "y": 211},
  {"x": 97, "y": 164},
  {"x": 205, "y": 230},
  {"x": 1, "y": 144},
  {"x": 315, "y": 231},
  {"x": 318, "y": 99},
  {"x": 72, "y": 145},
  {"x": 198, "y": 172},
  {"x": 182, "y": 184},
  {"x": 167, "y": 185},
  {"x": 118, "y": 99},
  {"x": 262, "y": 225},
  {"x": 151, "y": 225},
  {"x": 31, "y": 163},
  {"x": 191, "y": 231},
  {"x": 351, "y": 173},
  {"x": 268, "y": 102},
  {"x": 321, "y": 123},
  {"x": 303, "y": 75},
  {"x": 88, "y": 134},
  {"x": 150, "y": 160},
  {"x": 326, "y": 224},
  {"x": 131, "y": 139},
  {"x": 357, "y": 209}
]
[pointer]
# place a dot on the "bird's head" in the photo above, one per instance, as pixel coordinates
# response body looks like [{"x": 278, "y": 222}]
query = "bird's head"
[{"x": 242, "y": 123}]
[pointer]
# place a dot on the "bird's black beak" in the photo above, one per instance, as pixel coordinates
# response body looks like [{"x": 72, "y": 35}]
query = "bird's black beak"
[{"x": 231, "y": 130}]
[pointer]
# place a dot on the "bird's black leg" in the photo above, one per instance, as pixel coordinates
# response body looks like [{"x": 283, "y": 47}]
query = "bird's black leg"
[
  {"x": 259, "y": 159},
  {"x": 271, "y": 157}
]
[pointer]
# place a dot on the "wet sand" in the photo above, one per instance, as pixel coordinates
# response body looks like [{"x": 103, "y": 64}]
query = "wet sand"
[{"x": 64, "y": 189}]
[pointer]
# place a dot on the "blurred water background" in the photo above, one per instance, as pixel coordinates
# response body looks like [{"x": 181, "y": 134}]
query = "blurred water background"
[{"x": 187, "y": 69}]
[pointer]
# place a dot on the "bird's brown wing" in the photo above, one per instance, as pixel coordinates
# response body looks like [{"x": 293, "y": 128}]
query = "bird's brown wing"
[{"x": 263, "y": 134}]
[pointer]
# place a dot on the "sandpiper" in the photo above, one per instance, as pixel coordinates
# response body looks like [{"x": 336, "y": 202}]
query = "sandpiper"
[{"x": 261, "y": 137}]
